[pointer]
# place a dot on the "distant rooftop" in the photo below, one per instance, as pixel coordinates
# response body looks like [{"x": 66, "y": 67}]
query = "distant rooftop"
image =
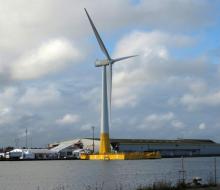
[{"x": 156, "y": 141}]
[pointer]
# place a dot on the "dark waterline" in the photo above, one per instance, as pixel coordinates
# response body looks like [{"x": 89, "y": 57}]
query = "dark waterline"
[{"x": 76, "y": 174}]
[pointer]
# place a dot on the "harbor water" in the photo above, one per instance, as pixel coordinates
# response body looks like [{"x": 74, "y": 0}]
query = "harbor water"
[{"x": 127, "y": 174}]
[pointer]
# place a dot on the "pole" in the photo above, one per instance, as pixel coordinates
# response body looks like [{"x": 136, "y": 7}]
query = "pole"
[
  {"x": 215, "y": 171},
  {"x": 93, "y": 143},
  {"x": 30, "y": 142},
  {"x": 16, "y": 142},
  {"x": 26, "y": 138},
  {"x": 183, "y": 171}
]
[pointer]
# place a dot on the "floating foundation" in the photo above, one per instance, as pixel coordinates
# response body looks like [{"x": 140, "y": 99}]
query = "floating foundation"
[{"x": 121, "y": 156}]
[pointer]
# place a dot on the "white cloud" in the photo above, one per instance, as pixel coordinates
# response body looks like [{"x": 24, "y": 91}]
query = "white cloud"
[
  {"x": 6, "y": 116},
  {"x": 161, "y": 122},
  {"x": 50, "y": 57},
  {"x": 86, "y": 127},
  {"x": 202, "y": 126},
  {"x": 40, "y": 97},
  {"x": 68, "y": 119},
  {"x": 153, "y": 65},
  {"x": 151, "y": 43},
  {"x": 159, "y": 117},
  {"x": 31, "y": 20},
  {"x": 5, "y": 111},
  {"x": 198, "y": 87},
  {"x": 172, "y": 13},
  {"x": 177, "y": 124},
  {"x": 26, "y": 24},
  {"x": 193, "y": 102},
  {"x": 8, "y": 97}
]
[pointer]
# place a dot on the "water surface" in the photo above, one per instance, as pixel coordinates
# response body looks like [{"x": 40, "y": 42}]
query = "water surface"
[{"x": 77, "y": 174}]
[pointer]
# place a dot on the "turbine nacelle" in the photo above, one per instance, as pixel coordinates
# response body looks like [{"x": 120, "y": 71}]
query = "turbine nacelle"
[
  {"x": 105, "y": 62},
  {"x": 102, "y": 62}
]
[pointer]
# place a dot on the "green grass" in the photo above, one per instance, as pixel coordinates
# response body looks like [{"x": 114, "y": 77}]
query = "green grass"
[{"x": 162, "y": 185}]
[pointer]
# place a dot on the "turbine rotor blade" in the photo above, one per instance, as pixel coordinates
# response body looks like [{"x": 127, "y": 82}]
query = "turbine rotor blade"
[
  {"x": 122, "y": 58},
  {"x": 101, "y": 44}
]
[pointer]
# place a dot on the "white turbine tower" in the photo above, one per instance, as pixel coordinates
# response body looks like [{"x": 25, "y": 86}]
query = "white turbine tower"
[{"x": 106, "y": 90}]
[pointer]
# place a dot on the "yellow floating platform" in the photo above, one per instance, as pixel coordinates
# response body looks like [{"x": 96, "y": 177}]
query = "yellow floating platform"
[{"x": 121, "y": 156}]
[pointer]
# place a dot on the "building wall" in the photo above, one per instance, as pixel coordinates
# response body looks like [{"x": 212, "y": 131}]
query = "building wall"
[
  {"x": 210, "y": 149},
  {"x": 174, "y": 149},
  {"x": 66, "y": 152}
]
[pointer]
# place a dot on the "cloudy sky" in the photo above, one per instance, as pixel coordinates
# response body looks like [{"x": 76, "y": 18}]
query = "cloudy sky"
[{"x": 48, "y": 82}]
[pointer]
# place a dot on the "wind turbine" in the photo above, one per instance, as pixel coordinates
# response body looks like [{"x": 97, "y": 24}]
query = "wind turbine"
[{"x": 106, "y": 90}]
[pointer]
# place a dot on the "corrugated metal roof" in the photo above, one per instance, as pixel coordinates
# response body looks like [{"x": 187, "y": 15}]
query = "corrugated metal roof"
[
  {"x": 65, "y": 144},
  {"x": 35, "y": 150},
  {"x": 156, "y": 141},
  {"x": 87, "y": 144},
  {"x": 41, "y": 151}
]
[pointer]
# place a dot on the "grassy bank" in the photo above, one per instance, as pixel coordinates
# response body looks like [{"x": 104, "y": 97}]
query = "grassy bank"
[
  {"x": 162, "y": 185},
  {"x": 179, "y": 186}
]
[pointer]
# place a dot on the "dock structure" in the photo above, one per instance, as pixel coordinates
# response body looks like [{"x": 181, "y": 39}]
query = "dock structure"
[
  {"x": 104, "y": 148},
  {"x": 122, "y": 156}
]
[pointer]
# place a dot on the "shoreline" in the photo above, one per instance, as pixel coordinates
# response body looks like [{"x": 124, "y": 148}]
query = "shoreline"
[
  {"x": 194, "y": 185},
  {"x": 55, "y": 159}
]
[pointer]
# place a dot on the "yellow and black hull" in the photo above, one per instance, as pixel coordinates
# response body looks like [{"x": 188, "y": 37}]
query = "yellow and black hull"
[{"x": 121, "y": 156}]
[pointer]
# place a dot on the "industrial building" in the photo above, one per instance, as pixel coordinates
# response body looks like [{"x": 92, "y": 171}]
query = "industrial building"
[{"x": 167, "y": 148}]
